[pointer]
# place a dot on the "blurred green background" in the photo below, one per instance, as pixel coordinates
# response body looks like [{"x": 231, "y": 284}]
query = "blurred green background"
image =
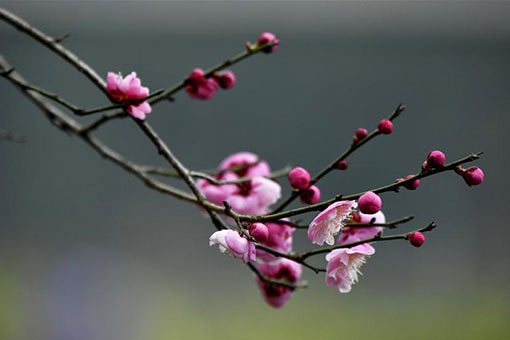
[{"x": 87, "y": 252}]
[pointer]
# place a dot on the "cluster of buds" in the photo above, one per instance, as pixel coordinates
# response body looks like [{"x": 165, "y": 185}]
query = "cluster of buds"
[
  {"x": 199, "y": 86},
  {"x": 300, "y": 179}
]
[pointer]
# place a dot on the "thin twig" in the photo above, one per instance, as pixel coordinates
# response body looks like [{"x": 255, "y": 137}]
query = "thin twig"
[
  {"x": 390, "y": 187},
  {"x": 353, "y": 147},
  {"x": 275, "y": 282},
  {"x": 377, "y": 238},
  {"x": 9, "y": 136}
]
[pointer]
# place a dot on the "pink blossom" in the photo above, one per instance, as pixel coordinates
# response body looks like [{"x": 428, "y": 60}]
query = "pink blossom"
[
  {"x": 311, "y": 195},
  {"x": 354, "y": 234},
  {"x": 259, "y": 232},
  {"x": 255, "y": 196},
  {"x": 329, "y": 222},
  {"x": 416, "y": 238},
  {"x": 248, "y": 163},
  {"x": 385, "y": 126},
  {"x": 234, "y": 244},
  {"x": 435, "y": 159},
  {"x": 279, "y": 238},
  {"x": 124, "y": 90},
  {"x": 266, "y": 38},
  {"x": 342, "y": 165},
  {"x": 412, "y": 185},
  {"x": 299, "y": 178},
  {"x": 285, "y": 270},
  {"x": 252, "y": 196},
  {"x": 369, "y": 203},
  {"x": 360, "y": 134},
  {"x": 225, "y": 79},
  {"x": 344, "y": 265},
  {"x": 200, "y": 87},
  {"x": 473, "y": 175}
]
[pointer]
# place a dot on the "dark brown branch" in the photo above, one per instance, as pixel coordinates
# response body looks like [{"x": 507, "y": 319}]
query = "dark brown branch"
[
  {"x": 53, "y": 45},
  {"x": 353, "y": 147},
  {"x": 275, "y": 282},
  {"x": 64, "y": 122},
  {"x": 377, "y": 238},
  {"x": 390, "y": 187}
]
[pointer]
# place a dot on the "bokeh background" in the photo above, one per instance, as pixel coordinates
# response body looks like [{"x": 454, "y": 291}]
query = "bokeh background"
[{"x": 88, "y": 252}]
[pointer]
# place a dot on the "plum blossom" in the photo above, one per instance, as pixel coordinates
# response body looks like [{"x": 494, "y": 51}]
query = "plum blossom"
[
  {"x": 353, "y": 234},
  {"x": 200, "y": 87},
  {"x": 129, "y": 88},
  {"x": 279, "y": 238},
  {"x": 329, "y": 222},
  {"x": 234, "y": 244},
  {"x": 344, "y": 266},
  {"x": 252, "y": 196},
  {"x": 246, "y": 164},
  {"x": 286, "y": 270}
]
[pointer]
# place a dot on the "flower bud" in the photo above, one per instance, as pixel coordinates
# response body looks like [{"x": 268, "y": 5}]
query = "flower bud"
[
  {"x": 299, "y": 178},
  {"x": 385, "y": 126},
  {"x": 416, "y": 238},
  {"x": 360, "y": 134},
  {"x": 473, "y": 175},
  {"x": 311, "y": 195},
  {"x": 369, "y": 203},
  {"x": 225, "y": 79},
  {"x": 196, "y": 75},
  {"x": 259, "y": 232},
  {"x": 435, "y": 159},
  {"x": 268, "y": 38},
  {"x": 412, "y": 185},
  {"x": 342, "y": 165}
]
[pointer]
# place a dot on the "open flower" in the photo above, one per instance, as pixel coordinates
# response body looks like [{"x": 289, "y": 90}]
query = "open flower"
[
  {"x": 285, "y": 270},
  {"x": 344, "y": 266},
  {"x": 246, "y": 164},
  {"x": 129, "y": 88},
  {"x": 329, "y": 222},
  {"x": 230, "y": 241},
  {"x": 252, "y": 196}
]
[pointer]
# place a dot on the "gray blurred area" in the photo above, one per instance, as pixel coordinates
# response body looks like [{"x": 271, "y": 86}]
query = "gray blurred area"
[{"x": 88, "y": 252}]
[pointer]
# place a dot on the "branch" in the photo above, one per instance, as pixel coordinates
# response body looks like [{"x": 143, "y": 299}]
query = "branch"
[
  {"x": 389, "y": 225},
  {"x": 391, "y": 187},
  {"x": 8, "y": 136},
  {"x": 376, "y": 238},
  {"x": 353, "y": 147},
  {"x": 53, "y": 44},
  {"x": 67, "y": 124},
  {"x": 274, "y": 282}
]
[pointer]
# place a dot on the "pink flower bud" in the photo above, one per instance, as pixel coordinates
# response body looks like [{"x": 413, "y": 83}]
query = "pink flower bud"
[
  {"x": 196, "y": 75},
  {"x": 342, "y": 165},
  {"x": 267, "y": 38},
  {"x": 412, "y": 185},
  {"x": 385, "y": 126},
  {"x": 360, "y": 134},
  {"x": 416, "y": 238},
  {"x": 369, "y": 203},
  {"x": 259, "y": 232},
  {"x": 311, "y": 195},
  {"x": 435, "y": 159},
  {"x": 225, "y": 79},
  {"x": 473, "y": 176},
  {"x": 299, "y": 178}
]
